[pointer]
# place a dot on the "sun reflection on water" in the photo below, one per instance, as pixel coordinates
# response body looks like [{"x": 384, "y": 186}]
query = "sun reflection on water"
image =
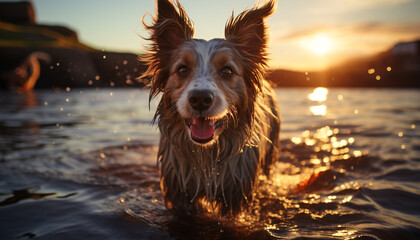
[
  {"x": 304, "y": 186},
  {"x": 319, "y": 94},
  {"x": 320, "y": 110}
]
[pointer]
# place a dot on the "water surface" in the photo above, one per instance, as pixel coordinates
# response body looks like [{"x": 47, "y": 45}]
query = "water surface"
[{"x": 80, "y": 164}]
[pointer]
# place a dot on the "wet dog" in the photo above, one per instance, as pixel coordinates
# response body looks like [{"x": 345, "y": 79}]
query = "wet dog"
[{"x": 218, "y": 117}]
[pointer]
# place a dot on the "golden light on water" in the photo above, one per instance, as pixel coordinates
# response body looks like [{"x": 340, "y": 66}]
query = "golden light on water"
[
  {"x": 326, "y": 150},
  {"x": 296, "y": 140},
  {"x": 320, "y": 110},
  {"x": 319, "y": 94},
  {"x": 345, "y": 234},
  {"x": 357, "y": 153}
]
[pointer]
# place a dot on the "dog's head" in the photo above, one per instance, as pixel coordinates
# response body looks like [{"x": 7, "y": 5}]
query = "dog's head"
[{"x": 207, "y": 85}]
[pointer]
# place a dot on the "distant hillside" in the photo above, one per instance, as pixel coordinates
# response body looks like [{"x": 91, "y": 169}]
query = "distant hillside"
[
  {"x": 73, "y": 64},
  {"x": 399, "y": 67}
]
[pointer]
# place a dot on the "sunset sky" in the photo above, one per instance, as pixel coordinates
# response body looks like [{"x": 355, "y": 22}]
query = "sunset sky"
[{"x": 305, "y": 34}]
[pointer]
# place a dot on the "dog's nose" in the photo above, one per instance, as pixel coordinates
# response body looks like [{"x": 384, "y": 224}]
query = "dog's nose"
[{"x": 200, "y": 100}]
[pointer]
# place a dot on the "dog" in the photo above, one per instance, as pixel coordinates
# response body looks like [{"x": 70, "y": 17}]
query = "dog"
[{"x": 218, "y": 117}]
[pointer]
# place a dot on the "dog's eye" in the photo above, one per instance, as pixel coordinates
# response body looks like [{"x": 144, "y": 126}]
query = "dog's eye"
[
  {"x": 227, "y": 72},
  {"x": 183, "y": 71}
]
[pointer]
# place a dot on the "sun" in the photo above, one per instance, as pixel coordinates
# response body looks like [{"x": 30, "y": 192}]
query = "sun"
[{"x": 320, "y": 44}]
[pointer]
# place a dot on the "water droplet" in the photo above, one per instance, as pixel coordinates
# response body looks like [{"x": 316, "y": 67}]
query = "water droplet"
[
  {"x": 90, "y": 82},
  {"x": 378, "y": 77},
  {"x": 371, "y": 71},
  {"x": 403, "y": 147},
  {"x": 67, "y": 89},
  {"x": 104, "y": 57},
  {"x": 58, "y": 64},
  {"x": 389, "y": 69},
  {"x": 97, "y": 77},
  {"x": 125, "y": 62},
  {"x": 400, "y": 134}
]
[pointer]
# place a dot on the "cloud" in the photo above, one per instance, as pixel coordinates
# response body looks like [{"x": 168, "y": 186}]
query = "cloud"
[
  {"x": 401, "y": 29},
  {"x": 339, "y": 7}
]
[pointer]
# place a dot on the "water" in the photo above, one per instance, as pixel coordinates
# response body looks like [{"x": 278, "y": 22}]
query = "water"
[{"x": 80, "y": 164}]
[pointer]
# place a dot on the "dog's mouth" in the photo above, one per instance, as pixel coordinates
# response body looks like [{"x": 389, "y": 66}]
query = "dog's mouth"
[{"x": 202, "y": 129}]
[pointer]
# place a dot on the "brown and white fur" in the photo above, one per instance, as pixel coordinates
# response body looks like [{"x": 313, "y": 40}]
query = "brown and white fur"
[{"x": 218, "y": 117}]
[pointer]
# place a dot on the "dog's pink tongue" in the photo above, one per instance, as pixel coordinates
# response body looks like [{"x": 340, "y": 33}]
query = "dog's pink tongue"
[{"x": 202, "y": 129}]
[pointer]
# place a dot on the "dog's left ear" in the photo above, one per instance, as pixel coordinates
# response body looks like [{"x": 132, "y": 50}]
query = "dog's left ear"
[{"x": 248, "y": 32}]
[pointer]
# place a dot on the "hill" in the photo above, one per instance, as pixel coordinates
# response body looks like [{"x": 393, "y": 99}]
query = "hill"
[{"x": 72, "y": 63}]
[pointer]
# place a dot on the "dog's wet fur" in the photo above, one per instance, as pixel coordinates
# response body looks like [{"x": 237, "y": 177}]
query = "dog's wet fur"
[{"x": 218, "y": 117}]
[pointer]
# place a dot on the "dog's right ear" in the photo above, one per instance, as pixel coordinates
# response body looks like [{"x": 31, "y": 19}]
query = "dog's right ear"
[{"x": 170, "y": 28}]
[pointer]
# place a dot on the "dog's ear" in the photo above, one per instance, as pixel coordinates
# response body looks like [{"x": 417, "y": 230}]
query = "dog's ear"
[
  {"x": 248, "y": 32},
  {"x": 170, "y": 28},
  {"x": 172, "y": 25}
]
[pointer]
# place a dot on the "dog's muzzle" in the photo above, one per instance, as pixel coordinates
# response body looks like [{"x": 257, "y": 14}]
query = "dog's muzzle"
[{"x": 201, "y": 128}]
